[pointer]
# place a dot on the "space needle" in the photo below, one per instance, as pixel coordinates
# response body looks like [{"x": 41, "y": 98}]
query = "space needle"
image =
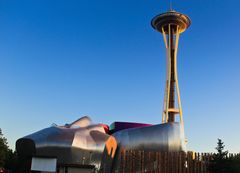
[{"x": 171, "y": 24}]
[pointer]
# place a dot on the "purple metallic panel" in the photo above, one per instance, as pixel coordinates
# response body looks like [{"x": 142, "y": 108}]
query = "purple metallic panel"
[{"x": 118, "y": 126}]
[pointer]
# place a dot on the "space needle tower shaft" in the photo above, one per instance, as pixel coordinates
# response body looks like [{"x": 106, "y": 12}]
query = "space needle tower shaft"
[{"x": 171, "y": 24}]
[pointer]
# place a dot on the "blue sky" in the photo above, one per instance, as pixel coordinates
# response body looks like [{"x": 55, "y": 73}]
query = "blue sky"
[{"x": 60, "y": 60}]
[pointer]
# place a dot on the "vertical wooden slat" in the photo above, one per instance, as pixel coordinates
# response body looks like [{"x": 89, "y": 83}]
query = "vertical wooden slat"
[
  {"x": 133, "y": 161},
  {"x": 159, "y": 162},
  {"x": 201, "y": 163},
  {"x": 139, "y": 161},
  {"x": 172, "y": 162},
  {"x": 123, "y": 160},
  {"x": 198, "y": 163},
  {"x": 175, "y": 162},
  {"x": 195, "y": 163},
  {"x": 148, "y": 162},
  {"x": 142, "y": 161},
  {"x": 180, "y": 163},
  {"x": 185, "y": 163},
  {"x": 126, "y": 161},
  {"x": 189, "y": 162},
  {"x": 165, "y": 162},
  {"x": 204, "y": 163}
]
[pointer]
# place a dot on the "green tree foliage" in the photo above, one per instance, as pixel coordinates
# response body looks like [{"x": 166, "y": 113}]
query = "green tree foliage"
[
  {"x": 11, "y": 162},
  {"x": 3, "y": 149},
  {"x": 219, "y": 162},
  {"x": 222, "y": 162},
  {"x": 221, "y": 154},
  {"x": 8, "y": 158}
]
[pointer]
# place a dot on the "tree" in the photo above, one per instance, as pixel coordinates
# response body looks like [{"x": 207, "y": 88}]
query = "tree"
[
  {"x": 221, "y": 154},
  {"x": 3, "y": 149},
  {"x": 11, "y": 162},
  {"x": 8, "y": 158},
  {"x": 219, "y": 162}
]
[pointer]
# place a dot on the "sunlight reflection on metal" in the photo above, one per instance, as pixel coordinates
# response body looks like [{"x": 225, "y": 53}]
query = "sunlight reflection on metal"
[{"x": 81, "y": 142}]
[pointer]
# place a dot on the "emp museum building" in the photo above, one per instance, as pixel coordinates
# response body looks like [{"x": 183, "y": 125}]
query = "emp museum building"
[{"x": 86, "y": 147}]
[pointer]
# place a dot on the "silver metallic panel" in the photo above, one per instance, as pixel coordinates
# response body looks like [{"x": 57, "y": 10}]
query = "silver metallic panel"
[
  {"x": 69, "y": 144},
  {"x": 161, "y": 137}
]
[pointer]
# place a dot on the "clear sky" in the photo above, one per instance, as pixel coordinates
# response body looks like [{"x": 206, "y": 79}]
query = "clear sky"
[{"x": 60, "y": 60}]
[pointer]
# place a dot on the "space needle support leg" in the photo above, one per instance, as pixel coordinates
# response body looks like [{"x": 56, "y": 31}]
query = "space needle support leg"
[
  {"x": 169, "y": 71},
  {"x": 164, "y": 116},
  {"x": 176, "y": 77},
  {"x": 165, "y": 38}
]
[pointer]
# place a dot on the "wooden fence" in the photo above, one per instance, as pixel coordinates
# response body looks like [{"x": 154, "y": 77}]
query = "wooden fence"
[{"x": 164, "y": 162}]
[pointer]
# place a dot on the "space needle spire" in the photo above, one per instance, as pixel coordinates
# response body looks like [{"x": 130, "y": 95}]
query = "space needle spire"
[{"x": 171, "y": 24}]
